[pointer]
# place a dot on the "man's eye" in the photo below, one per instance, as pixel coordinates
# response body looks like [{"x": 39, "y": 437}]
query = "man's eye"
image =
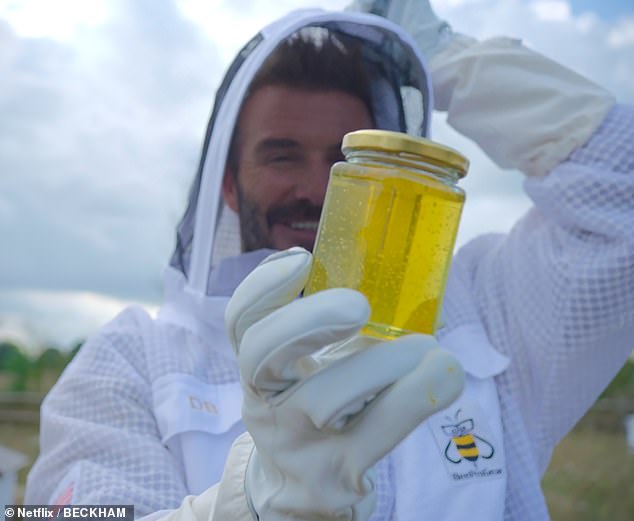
[{"x": 284, "y": 159}]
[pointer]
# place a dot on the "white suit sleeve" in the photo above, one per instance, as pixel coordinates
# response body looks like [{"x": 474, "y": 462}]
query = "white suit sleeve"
[
  {"x": 99, "y": 438},
  {"x": 101, "y": 445},
  {"x": 557, "y": 293},
  {"x": 525, "y": 110}
]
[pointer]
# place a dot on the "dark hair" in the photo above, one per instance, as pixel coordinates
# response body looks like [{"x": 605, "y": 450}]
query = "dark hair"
[{"x": 314, "y": 59}]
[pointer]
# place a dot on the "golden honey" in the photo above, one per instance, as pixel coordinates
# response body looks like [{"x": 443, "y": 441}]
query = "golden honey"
[{"x": 388, "y": 228}]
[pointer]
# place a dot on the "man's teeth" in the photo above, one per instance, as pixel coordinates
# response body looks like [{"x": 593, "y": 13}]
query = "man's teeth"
[{"x": 304, "y": 225}]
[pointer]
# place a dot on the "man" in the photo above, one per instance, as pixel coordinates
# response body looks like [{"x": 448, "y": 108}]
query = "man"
[
  {"x": 287, "y": 137},
  {"x": 539, "y": 320}
]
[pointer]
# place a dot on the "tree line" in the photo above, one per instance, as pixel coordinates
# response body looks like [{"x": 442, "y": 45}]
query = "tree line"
[{"x": 20, "y": 371}]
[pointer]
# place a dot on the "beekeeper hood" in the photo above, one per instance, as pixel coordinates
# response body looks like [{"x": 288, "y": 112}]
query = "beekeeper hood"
[{"x": 200, "y": 275}]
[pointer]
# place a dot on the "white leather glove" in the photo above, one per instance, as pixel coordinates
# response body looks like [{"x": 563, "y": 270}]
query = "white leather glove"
[
  {"x": 318, "y": 434},
  {"x": 524, "y": 110}
]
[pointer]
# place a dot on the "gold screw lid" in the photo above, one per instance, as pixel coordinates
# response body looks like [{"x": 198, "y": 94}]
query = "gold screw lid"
[{"x": 401, "y": 143}]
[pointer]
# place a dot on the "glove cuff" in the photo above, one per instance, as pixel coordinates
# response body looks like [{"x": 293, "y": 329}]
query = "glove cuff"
[
  {"x": 267, "y": 492},
  {"x": 227, "y": 499},
  {"x": 524, "y": 110}
]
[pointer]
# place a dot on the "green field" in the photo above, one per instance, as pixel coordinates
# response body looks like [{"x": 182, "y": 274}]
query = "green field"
[
  {"x": 590, "y": 478},
  {"x": 23, "y": 438}
]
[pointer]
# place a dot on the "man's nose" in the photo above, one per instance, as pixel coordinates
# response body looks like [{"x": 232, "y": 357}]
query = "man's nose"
[{"x": 312, "y": 183}]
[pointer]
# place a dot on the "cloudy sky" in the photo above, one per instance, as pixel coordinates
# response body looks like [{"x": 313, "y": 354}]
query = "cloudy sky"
[{"x": 103, "y": 105}]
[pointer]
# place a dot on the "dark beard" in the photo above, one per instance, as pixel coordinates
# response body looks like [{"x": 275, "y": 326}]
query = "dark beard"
[{"x": 256, "y": 234}]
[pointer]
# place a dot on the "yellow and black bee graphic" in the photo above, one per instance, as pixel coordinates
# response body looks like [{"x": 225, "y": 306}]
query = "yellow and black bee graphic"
[{"x": 463, "y": 444}]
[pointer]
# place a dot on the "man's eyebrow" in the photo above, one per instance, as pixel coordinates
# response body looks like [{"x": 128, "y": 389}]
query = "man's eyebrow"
[{"x": 269, "y": 144}]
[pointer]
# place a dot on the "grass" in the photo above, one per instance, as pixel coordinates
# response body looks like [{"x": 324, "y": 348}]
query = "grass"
[
  {"x": 590, "y": 476},
  {"x": 22, "y": 437}
]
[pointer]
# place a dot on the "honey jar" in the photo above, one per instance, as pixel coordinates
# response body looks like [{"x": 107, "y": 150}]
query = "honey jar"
[{"x": 388, "y": 228}]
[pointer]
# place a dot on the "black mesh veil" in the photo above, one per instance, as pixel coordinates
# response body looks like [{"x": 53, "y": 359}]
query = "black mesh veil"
[
  {"x": 185, "y": 231},
  {"x": 400, "y": 100}
]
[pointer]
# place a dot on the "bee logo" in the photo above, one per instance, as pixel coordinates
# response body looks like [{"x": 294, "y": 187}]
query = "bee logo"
[{"x": 462, "y": 444}]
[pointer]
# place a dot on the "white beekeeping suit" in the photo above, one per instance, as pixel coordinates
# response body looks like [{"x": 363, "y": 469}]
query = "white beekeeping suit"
[{"x": 540, "y": 319}]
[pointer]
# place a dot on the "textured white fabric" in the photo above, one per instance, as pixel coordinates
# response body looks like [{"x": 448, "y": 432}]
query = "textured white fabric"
[
  {"x": 538, "y": 112},
  {"x": 556, "y": 295}
]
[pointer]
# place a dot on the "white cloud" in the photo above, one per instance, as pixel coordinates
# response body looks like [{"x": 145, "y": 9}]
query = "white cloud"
[
  {"x": 98, "y": 141},
  {"x": 8, "y": 213},
  {"x": 457, "y": 3},
  {"x": 37, "y": 319},
  {"x": 552, "y": 10},
  {"x": 622, "y": 35},
  {"x": 59, "y": 20},
  {"x": 231, "y": 23}
]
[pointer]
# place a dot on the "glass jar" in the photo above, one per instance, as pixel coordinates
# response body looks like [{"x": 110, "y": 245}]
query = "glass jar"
[{"x": 388, "y": 228}]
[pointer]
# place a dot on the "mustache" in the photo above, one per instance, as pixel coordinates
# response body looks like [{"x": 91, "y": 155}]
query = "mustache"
[{"x": 299, "y": 211}]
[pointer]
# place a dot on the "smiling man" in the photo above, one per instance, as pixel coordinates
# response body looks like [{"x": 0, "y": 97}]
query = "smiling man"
[
  {"x": 287, "y": 137},
  {"x": 288, "y": 140}
]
